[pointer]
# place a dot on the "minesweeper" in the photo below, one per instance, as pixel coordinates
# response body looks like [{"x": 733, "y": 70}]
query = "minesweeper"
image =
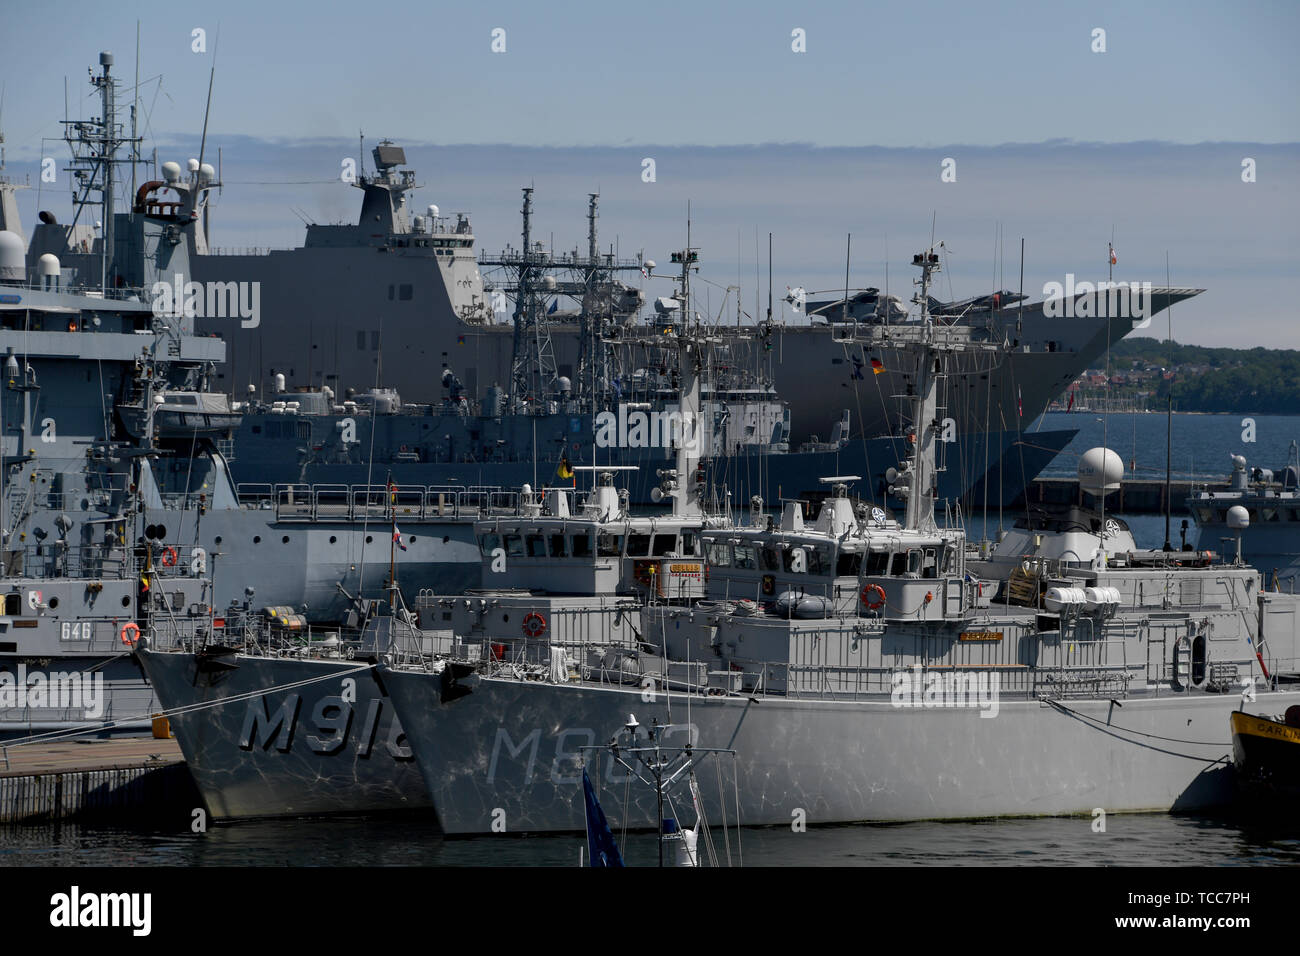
[
  {"x": 281, "y": 718},
  {"x": 859, "y": 674}
]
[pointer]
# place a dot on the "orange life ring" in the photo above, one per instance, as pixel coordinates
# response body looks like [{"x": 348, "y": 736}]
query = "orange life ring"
[
  {"x": 169, "y": 557},
  {"x": 873, "y": 596},
  {"x": 534, "y": 624},
  {"x": 130, "y": 628}
]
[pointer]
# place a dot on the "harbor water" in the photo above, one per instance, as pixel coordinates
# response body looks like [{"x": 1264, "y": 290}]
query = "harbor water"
[{"x": 1153, "y": 840}]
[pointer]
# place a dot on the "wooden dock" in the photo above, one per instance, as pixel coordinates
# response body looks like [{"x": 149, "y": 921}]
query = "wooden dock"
[{"x": 117, "y": 778}]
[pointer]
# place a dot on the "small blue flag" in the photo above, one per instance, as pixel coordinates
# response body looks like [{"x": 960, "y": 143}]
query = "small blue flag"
[{"x": 602, "y": 849}]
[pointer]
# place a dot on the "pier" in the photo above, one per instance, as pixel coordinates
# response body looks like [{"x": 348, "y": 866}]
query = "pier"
[{"x": 116, "y": 778}]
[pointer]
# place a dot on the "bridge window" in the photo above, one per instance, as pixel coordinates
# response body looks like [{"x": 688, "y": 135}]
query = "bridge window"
[
  {"x": 771, "y": 559},
  {"x": 514, "y": 545},
  {"x": 582, "y": 545},
  {"x": 665, "y": 544},
  {"x": 489, "y": 543},
  {"x": 536, "y": 546},
  {"x": 929, "y": 566},
  {"x": 745, "y": 557},
  {"x": 557, "y": 546},
  {"x": 719, "y": 554},
  {"x": 690, "y": 546},
  {"x": 848, "y": 564},
  {"x": 878, "y": 564},
  {"x": 609, "y": 545},
  {"x": 638, "y": 545}
]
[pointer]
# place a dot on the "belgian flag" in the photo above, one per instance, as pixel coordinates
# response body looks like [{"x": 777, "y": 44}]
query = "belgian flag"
[{"x": 564, "y": 471}]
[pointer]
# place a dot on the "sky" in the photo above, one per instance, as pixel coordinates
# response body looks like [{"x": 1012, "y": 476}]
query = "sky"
[{"x": 1049, "y": 139}]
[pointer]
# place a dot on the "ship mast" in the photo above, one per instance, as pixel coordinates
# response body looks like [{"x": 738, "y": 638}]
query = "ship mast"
[
  {"x": 920, "y": 498},
  {"x": 685, "y": 491},
  {"x": 95, "y": 144}
]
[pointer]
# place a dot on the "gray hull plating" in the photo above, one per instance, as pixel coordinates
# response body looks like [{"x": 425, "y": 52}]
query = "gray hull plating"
[
  {"x": 507, "y": 753},
  {"x": 330, "y": 746}
]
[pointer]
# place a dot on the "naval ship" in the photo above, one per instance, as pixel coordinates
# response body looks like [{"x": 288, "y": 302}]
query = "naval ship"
[
  {"x": 117, "y": 320},
  {"x": 415, "y": 280},
  {"x": 876, "y": 681},
  {"x": 1260, "y": 510},
  {"x": 537, "y": 411},
  {"x": 83, "y": 574},
  {"x": 507, "y": 407}
]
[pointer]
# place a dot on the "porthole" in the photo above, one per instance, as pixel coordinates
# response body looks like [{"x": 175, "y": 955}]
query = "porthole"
[
  {"x": 285, "y": 539},
  {"x": 369, "y": 539},
  {"x": 217, "y": 539},
  {"x": 257, "y": 539},
  {"x": 333, "y": 539},
  {"x": 54, "y": 602}
]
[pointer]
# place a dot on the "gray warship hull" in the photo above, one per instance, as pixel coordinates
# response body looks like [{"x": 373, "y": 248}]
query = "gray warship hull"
[
  {"x": 121, "y": 695},
  {"x": 508, "y": 754},
  {"x": 310, "y": 564},
  {"x": 330, "y": 745},
  {"x": 997, "y": 466}
]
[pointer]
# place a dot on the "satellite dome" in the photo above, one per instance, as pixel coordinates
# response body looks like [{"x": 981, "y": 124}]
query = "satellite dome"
[
  {"x": 1238, "y": 518},
  {"x": 433, "y": 211},
  {"x": 207, "y": 173},
  {"x": 192, "y": 165},
  {"x": 47, "y": 265},
  {"x": 12, "y": 257},
  {"x": 171, "y": 172},
  {"x": 1100, "y": 471},
  {"x": 548, "y": 283}
]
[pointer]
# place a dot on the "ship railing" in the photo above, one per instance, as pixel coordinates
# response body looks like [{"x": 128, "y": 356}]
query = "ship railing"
[
  {"x": 49, "y": 560},
  {"x": 245, "y": 250},
  {"x": 341, "y": 502}
]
